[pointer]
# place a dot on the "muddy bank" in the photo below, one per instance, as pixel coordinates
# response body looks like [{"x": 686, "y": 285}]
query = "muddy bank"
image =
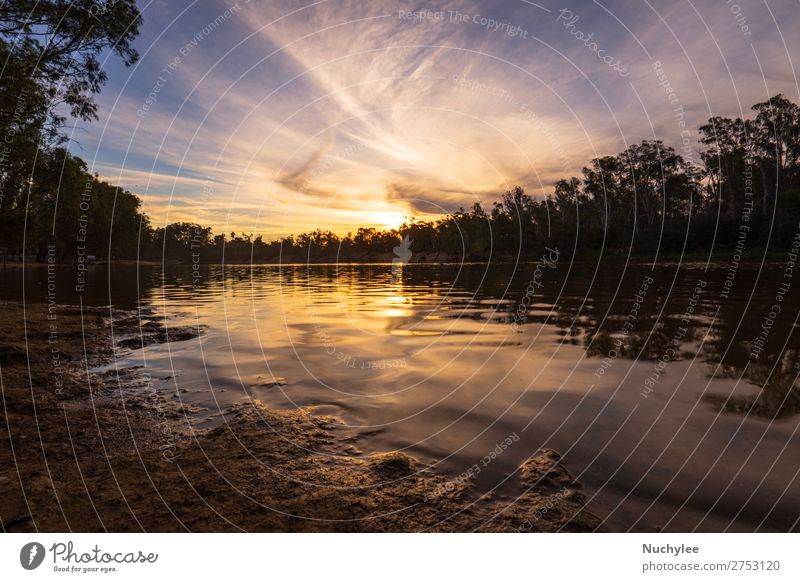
[{"x": 85, "y": 451}]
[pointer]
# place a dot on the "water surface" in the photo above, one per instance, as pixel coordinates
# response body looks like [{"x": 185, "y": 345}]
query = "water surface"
[{"x": 645, "y": 378}]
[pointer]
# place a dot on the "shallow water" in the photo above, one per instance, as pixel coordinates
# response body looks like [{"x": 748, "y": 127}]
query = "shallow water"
[{"x": 428, "y": 360}]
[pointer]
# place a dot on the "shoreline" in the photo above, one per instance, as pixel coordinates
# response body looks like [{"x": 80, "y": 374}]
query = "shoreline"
[
  {"x": 719, "y": 257},
  {"x": 84, "y": 450}
]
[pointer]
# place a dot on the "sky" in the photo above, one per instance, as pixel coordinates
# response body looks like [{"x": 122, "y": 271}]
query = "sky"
[{"x": 279, "y": 117}]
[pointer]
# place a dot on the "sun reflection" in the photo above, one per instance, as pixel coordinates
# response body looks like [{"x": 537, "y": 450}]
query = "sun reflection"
[{"x": 395, "y": 305}]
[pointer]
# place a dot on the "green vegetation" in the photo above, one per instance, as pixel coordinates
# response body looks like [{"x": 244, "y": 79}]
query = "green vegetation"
[{"x": 743, "y": 193}]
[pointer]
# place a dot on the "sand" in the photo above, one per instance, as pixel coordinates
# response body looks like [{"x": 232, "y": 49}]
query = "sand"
[{"x": 92, "y": 452}]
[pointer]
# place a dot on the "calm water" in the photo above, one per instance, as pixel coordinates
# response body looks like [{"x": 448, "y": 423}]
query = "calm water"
[{"x": 660, "y": 405}]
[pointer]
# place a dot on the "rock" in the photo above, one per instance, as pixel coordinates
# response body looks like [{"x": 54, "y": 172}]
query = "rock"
[
  {"x": 154, "y": 333},
  {"x": 392, "y": 465},
  {"x": 273, "y": 382},
  {"x": 544, "y": 470}
]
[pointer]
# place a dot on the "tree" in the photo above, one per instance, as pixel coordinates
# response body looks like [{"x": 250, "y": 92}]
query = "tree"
[
  {"x": 50, "y": 51},
  {"x": 776, "y": 138},
  {"x": 53, "y": 47},
  {"x": 725, "y": 161}
]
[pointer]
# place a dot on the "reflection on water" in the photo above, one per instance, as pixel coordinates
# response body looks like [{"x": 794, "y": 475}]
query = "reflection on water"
[{"x": 663, "y": 391}]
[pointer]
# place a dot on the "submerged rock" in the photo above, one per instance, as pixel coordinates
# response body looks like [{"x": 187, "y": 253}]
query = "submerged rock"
[
  {"x": 272, "y": 382},
  {"x": 553, "y": 501},
  {"x": 159, "y": 334}
]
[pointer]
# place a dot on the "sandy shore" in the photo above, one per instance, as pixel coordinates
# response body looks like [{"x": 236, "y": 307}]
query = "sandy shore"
[{"x": 85, "y": 451}]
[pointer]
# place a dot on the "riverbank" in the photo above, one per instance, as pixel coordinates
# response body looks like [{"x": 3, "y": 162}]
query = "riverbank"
[
  {"x": 617, "y": 256},
  {"x": 82, "y": 450}
]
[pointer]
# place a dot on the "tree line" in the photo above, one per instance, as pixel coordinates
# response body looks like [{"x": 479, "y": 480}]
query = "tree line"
[{"x": 746, "y": 185}]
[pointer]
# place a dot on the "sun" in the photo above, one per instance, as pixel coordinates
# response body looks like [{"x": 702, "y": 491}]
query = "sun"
[{"x": 389, "y": 219}]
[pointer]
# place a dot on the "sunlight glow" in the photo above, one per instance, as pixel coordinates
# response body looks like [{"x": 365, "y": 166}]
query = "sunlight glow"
[{"x": 389, "y": 219}]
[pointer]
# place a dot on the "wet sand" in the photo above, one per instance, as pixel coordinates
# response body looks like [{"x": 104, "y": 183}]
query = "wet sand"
[{"x": 87, "y": 451}]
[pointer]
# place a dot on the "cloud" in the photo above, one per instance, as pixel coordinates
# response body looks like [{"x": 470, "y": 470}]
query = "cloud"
[
  {"x": 330, "y": 113},
  {"x": 297, "y": 180}
]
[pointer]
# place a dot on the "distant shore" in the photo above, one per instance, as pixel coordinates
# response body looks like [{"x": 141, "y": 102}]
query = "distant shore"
[
  {"x": 91, "y": 450},
  {"x": 720, "y": 255}
]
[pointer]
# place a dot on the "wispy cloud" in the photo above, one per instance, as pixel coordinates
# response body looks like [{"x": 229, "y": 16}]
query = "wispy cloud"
[{"x": 334, "y": 113}]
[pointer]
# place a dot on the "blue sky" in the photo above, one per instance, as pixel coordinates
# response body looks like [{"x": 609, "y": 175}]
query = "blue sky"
[{"x": 284, "y": 116}]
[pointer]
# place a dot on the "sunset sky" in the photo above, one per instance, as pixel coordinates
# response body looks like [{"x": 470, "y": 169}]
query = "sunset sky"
[{"x": 278, "y": 117}]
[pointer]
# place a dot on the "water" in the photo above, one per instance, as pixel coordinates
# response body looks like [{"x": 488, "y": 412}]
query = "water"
[{"x": 644, "y": 378}]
